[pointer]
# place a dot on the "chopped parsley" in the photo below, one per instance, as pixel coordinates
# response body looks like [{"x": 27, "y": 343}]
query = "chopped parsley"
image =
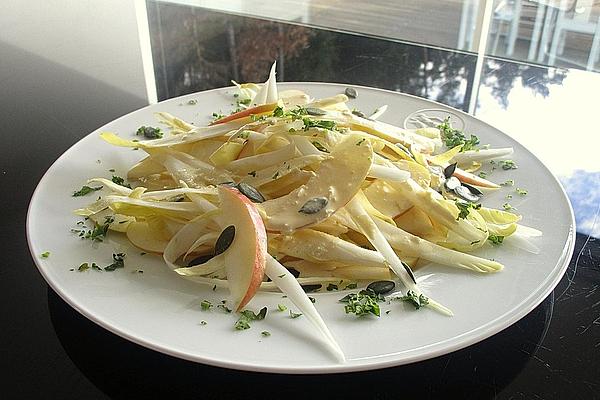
[
  {"x": 45, "y": 254},
  {"x": 254, "y": 118},
  {"x": 192, "y": 102},
  {"x": 217, "y": 116},
  {"x": 223, "y": 307},
  {"x": 86, "y": 190},
  {"x": 352, "y": 285},
  {"x": 508, "y": 207},
  {"x": 315, "y": 123},
  {"x": 361, "y": 141},
  {"x": 363, "y": 303},
  {"x": 508, "y": 164},
  {"x": 241, "y": 105},
  {"x": 252, "y": 316},
  {"x": 243, "y": 135},
  {"x": 98, "y": 233},
  {"x": 496, "y": 239},
  {"x": 320, "y": 147},
  {"x": 247, "y": 315},
  {"x": 118, "y": 262},
  {"x": 521, "y": 191},
  {"x": 295, "y": 114},
  {"x": 149, "y": 132},
  {"x": 417, "y": 301},
  {"x": 95, "y": 267},
  {"x": 278, "y": 112},
  {"x": 205, "y": 305},
  {"x": 242, "y": 324},
  {"x": 509, "y": 182},
  {"x": 358, "y": 113},
  {"x": 203, "y": 322},
  {"x": 482, "y": 175},
  {"x": 281, "y": 307},
  {"x": 120, "y": 181},
  {"x": 265, "y": 333},
  {"x": 454, "y": 137},
  {"x": 86, "y": 266},
  {"x": 464, "y": 207},
  {"x": 295, "y": 315},
  {"x": 331, "y": 287}
]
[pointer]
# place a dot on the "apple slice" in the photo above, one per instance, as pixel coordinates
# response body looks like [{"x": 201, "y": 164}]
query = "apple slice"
[
  {"x": 246, "y": 256},
  {"x": 472, "y": 179},
  {"x": 258, "y": 110}
]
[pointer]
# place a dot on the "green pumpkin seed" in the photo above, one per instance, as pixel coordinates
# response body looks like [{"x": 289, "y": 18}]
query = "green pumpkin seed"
[
  {"x": 250, "y": 192},
  {"x": 452, "y": 183},
  {"x": 381, "y": 287},
  {"x": 320, "y": 147},
  {"x": 313, "y": 205},
  {"x": 310, "y": 288},
  {"x": 359, "y": 113},
  {"x": 224, "y": 240},
  {"x": 351, "y": 92},
  {"x": 315, "y": 111},
  {"x": 465, "y": 194},
  {"x": 473, "y": 189},
  {"x": 409, "y": 270},
  {"x": 200, "y": 260},
  {"x": 449, "y": 170}
]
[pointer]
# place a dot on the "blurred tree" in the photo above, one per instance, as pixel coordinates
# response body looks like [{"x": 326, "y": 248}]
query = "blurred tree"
[
  {"x": 259, "y": 43},
  {"x": 195, "y": 49},
  {"x": 501, "y": 76}
]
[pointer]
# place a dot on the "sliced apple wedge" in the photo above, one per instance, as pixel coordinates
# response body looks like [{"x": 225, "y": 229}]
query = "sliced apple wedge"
[
  {"x": 473, "y": 179},
  {"x": 258, "y": 110},
  {"x": 246, "y": 256},
  {"x": 337, "y": 180}
]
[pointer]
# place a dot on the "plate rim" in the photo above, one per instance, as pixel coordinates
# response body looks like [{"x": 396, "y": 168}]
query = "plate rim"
[{"x": 471, "y": 337}]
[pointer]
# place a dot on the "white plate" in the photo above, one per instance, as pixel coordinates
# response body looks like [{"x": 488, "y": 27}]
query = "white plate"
[{"x": 161, "y": 311}]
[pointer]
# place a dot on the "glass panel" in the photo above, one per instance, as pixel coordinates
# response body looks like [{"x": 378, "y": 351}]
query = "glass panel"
[
  {"x": 448, "y": 23},
  {"x": 547, "y": 110},
  {"x": 196, "y": 49},
  {"x": 564, "y": 33}
]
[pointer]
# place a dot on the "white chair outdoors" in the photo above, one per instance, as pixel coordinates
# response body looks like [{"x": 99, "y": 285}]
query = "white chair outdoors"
[
  {"x": 506, "y": 20},
  {"x": 468, "y": 24},
  {"x": 570, "y": 16},
  {"x": 506, "y": 13}
]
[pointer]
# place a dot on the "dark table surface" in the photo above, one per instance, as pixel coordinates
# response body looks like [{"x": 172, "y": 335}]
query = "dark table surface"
[{"x": 48, "y": 350}]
